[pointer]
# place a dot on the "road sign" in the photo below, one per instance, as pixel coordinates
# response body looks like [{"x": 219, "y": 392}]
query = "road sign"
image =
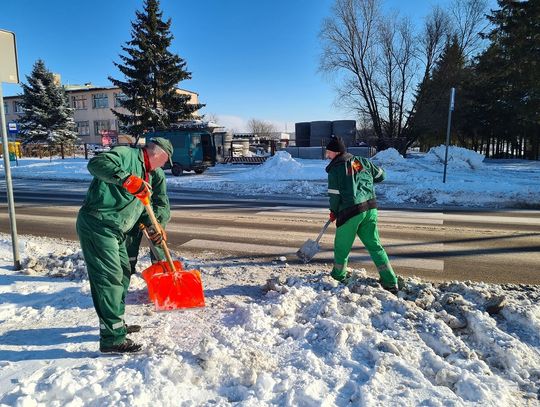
[
  {"x": 13, "y": 128},
  {"x": 9, "y": 71}
]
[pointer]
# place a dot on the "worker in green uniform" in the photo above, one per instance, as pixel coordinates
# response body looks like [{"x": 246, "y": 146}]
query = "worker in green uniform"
[
  {"x": 113, "y": 207},
  {"x": 354, "y": 208}
]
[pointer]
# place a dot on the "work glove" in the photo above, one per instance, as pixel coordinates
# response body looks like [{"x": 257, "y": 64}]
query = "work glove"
[
  {"x": 138, "y": 187},
  {"x": 156, "y": 236},
  {"x": 332, "y": 216}
]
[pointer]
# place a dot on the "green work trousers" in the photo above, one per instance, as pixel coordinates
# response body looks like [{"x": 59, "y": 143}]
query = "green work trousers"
[
  {"x": 109, "y": 272},
  {"x": 363, "y": 225}
]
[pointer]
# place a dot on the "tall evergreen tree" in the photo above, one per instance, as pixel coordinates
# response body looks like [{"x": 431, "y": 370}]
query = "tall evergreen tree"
[
  {"x": 47, "y": 116},
  {"x": 511, "y": 65},
  {"x": 429, "y": 120},
  {"x": 152, "y": 74}
]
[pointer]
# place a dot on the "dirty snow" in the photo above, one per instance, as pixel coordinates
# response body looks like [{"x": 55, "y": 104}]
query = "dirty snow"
[{"x": 271, "y": 334}]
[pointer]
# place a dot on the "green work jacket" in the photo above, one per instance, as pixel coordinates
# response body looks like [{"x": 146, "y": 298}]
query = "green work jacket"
[
  {"x": 350, "y": 181},
  {"x": 108, "y": 201}
]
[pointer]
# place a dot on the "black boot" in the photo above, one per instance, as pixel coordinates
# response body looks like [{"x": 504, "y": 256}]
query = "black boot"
[
  {"x": 128, "y": 346},
  {"x": 393, "y": 289},
  {"x": 131, "y": 329}
]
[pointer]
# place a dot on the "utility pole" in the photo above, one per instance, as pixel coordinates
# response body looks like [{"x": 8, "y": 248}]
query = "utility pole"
[
  {"x": 9, "y": 73},
  {"x": 450, "y": 110}
]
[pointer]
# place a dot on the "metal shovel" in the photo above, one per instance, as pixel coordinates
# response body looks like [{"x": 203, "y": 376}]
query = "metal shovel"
[{"x": 311, "y": 247}]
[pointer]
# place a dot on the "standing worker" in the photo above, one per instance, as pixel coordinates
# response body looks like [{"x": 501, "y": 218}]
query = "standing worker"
[
  {"x": 112, "y": 208},
  {"x": 354, "y": 208}
]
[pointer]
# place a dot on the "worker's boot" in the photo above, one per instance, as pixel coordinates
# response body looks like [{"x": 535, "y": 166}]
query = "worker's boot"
[
  {"x": 128, "y": 346},
  {"x": 131, "y": 329}
]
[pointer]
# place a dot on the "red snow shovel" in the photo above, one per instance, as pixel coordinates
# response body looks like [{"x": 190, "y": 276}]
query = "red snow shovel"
[{"x": 169, "y": 285}]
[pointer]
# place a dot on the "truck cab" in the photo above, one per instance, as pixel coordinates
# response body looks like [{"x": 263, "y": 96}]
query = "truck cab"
[{"x": 194, "y": 149}]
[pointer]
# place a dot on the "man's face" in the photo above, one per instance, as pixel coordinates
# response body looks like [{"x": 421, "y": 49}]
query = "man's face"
[
  {"x": 331, "y": 154},
  {"x": 158, "y": 158}
]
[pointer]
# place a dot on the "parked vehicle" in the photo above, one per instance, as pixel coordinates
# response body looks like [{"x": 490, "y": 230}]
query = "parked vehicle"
[{"x": 194, "y": 149}]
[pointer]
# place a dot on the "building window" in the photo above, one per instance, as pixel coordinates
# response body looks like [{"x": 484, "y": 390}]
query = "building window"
[
  {"x": 78, "y": 102},
  {"x": 100, "y": 125},
  {"x": 100, "y": 101},
  {"x": 118, "y": 97},
  {"x": 83, "y": 128},
  {"x": 6, "y": 110},
  {"x": 119, "y": 125},
  {"x": 17, "y": 107}
]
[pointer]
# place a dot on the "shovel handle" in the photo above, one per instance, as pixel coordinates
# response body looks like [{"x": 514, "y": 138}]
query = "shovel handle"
[
  {"x": 323, "y": 230},
  {"x": 155, "y": 223}
]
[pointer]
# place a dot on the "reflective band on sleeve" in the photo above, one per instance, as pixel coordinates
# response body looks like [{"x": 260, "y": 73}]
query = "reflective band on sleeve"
[
  {"x": 132, "y": 258},
  {"x": 333, "y": 191},
  {"x": 379, "y": 173}
]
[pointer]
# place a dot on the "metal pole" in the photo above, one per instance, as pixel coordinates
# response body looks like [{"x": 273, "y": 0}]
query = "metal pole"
[
  {"x": 450, "y": 109},
  {"x": 9, "y": 187}
]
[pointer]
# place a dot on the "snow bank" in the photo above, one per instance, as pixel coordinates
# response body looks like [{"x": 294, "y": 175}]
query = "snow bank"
[
  {"x": 470, "y": 182},
  {"x": 282, "y": 166},
  {"x": 303, "y": 340},
  {"x": 458, "y": 157},
  {"x": 389, "y": 156}
]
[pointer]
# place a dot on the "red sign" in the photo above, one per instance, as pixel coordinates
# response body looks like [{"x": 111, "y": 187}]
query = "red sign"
[{"x": 108, "y": 137}]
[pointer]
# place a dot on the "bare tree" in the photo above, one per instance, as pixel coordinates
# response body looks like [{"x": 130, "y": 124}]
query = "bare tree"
[
  {"x": 212, "y": 117},
  {"x": 261, "y": 128},
  {"x": 468, "y": 20},
  {"x": 374, "y": 58},
  {"x": 432, "y": 39},
  {"x": 430, "y": 44}
]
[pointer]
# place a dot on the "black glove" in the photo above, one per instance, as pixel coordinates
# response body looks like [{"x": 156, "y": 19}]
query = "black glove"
[{"x": 156, "y": 236}]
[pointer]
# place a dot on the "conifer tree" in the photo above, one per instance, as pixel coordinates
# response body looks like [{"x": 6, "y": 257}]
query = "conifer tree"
[
  {"x": 429, "y": 120},
  {"x": 152, "y": 74},
  {"x": 509, "y": 71},
  {"x": 47, "y": 116}
]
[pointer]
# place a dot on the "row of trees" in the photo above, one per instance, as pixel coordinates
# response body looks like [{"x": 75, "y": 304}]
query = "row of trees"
[
  {"x": 398, "y": 81},
  {"x": 151, "y": 76}
]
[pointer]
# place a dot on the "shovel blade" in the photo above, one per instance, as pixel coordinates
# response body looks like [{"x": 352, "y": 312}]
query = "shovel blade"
[
  {"x": 177, "y": 289},
  {"x": 308, "y": 250}
]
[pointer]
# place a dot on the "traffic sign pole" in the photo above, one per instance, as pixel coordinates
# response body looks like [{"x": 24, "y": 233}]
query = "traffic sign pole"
[
  {"x": 9, "y": 187},
  {"x": 9, "y": 73}
]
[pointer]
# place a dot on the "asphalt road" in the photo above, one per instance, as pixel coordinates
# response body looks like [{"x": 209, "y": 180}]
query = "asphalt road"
[{"x": 491, "y": 246}]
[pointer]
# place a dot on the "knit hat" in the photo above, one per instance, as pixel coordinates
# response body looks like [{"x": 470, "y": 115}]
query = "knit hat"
[
  {"x": 336, "y": 145},
  {"x": 165, "y": 145}
]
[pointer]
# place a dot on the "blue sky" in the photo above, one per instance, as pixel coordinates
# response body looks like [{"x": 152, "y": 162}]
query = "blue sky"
[{"x": 248, "y": 58}]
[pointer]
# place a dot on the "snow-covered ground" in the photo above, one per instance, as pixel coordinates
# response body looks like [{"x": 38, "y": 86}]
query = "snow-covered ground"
[
  {"x": 471, "y": 180},
  {"x": 271, "y": 334},
  {"x": 277, "y": 333}
]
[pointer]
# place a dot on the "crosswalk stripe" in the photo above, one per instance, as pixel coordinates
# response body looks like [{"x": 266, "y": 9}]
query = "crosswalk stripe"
[
  {"x": 507, "y": 220},
  {"x": 239, "y": 247}
]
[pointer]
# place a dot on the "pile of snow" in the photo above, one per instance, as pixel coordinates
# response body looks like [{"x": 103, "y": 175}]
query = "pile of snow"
[
  {"x": 303, "y": 340},
  {"x": 388, "y": 157},
  {"x": 282, "y": 166},
  {"x": 458, "y": 157}
]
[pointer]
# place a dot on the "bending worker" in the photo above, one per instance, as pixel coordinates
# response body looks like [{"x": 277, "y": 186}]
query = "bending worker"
[
  {"x": 354, "y": 208},
  {"x": 112, "y": 209}
]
